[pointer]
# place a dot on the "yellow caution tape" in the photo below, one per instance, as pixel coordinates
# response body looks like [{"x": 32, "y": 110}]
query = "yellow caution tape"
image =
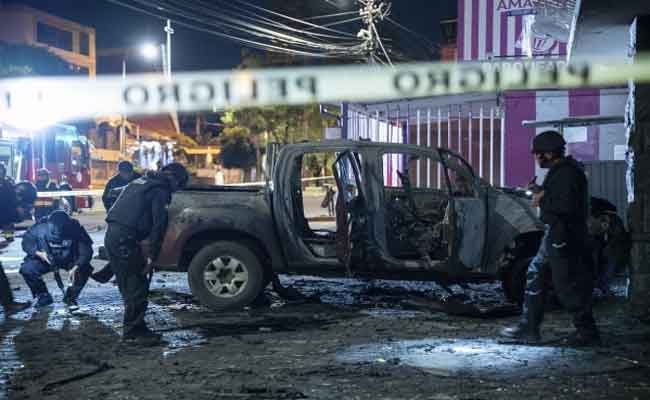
[
  {"x": 99, "y": 192},
  {"x": 41, "y": 101}
]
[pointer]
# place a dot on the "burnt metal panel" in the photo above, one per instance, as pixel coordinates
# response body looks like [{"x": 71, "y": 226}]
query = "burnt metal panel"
[{"x": 607, "y": 181}]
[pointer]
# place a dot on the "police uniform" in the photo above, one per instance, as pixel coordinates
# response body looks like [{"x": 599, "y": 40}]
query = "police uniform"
[
  {"x": 43, "y": 207},
  {"x": 115, "y": 182},
  {"x": 563, "y": 251},
  {"x": 564, "y": 211},
  {"x": 139, "y": 213},
  {"x": 8, "y": 216},
  {"x": 69, "y": 247}
]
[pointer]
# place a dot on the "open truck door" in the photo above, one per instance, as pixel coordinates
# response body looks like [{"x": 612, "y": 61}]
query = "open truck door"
[
  {"x": 350, "y": 204},
  {"x": 467, "y": 215}
]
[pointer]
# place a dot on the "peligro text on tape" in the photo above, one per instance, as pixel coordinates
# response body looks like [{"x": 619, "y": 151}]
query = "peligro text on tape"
[
  {"x": 99, "y": 192},
  {"x": 59, "y": 99}
]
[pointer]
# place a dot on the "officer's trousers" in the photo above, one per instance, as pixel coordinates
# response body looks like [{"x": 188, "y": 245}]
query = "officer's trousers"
[
  {"x": 128, "y": 264},
  {"x": 572, "y": 281},
  {"x": 34, "y": 268},
  {"x": 6, "y": 296}
]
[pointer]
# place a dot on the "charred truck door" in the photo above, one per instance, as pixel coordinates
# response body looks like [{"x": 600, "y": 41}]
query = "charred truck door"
[
  {"x": 429, "y": 219},
  {"x": 307, "y": 244},
  {"x": 468, "y": 214},
  {"x": 350, "y": 207}
]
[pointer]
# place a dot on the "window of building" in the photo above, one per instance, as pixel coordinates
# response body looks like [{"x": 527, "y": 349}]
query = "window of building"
[
  {"x": 84, "y": 43},
  {"x": 53, "y": 37}
]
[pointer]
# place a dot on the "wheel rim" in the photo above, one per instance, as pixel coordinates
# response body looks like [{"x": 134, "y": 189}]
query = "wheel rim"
[{"x": 226, "y": 277}]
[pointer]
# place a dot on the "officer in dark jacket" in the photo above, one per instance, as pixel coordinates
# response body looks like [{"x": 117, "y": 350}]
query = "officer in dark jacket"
[
  {"x": 56, "y": 242},
  {"x": 44, "y": 206},
  {"x": 8, "y": 202},
  {"x": 125, "y": 174},
  {"x": 564, "y": 205},
  {"x": 9, "y": 214},
  {"x": 140, "y": 215}
]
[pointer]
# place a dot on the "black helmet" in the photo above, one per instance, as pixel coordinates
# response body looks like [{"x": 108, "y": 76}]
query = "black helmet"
[
  {"x": 125, "y": 166},
  {"x": 548, "y": 142},
  {"x": 179, "y": 173},
  {"x": 43, "y": 171},
  {"x": 57, "y": 222}
]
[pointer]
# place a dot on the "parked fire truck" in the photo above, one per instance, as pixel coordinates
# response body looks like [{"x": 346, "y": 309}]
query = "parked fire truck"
[{"x": 59, "y": 148}]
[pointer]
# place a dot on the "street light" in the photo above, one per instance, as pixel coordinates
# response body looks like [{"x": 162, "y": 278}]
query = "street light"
[{"x": 149, "y": 51}]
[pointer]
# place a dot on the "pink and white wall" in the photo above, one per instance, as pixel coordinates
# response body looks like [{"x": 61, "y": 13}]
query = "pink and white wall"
[{"x": 494, "y": 30}]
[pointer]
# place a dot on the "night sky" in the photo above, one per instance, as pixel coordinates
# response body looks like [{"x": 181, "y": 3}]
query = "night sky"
[{"x": 191, "y": 50}]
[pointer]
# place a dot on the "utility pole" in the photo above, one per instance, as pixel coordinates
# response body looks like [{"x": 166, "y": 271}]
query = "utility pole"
[
  {"x": 168, "y": 66},
  {"x": 170, "y": 31},
  {"x": 122, "y": 141},
  {"x": 638, "y": 129},
  {"x": 372, "y": 12}
]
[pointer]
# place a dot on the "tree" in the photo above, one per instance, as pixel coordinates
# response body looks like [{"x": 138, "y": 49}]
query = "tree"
[{"x": 237, "y": 150}]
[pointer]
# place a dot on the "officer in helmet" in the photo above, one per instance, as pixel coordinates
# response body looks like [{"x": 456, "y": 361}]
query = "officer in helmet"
[
  {"x": 564, "y": 208},
  {"x": 125, "y": 174},
  {"x": 43, "y": 207},
  {"x": 56, "y": 242},
  {"x": 138, "y": 220}
]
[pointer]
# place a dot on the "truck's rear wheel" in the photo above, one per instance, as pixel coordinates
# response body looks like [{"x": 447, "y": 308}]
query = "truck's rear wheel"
[
  {"x": 514, "y": 280},
  {"x": 225, "y": 275}
]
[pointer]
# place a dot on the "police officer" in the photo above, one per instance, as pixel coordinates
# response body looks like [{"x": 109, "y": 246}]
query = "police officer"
[
  {"x": 125, "y": 174},
  {"x": 140, "y": 215},
  {"x": 9, "y": 213},
  {"x": 56, "y": 242},
  {"x": 564, "y": 204},
  {"x": 44, "y": 207}
]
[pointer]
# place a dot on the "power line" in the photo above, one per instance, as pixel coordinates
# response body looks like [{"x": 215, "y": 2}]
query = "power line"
[
  {"x": 251, "y": 43},
  {"x": 265, "y": 20},
  {"x": 389, "y": 19},
  {"x": 291, "y": 18},
  {"x": 332, "y": 15},
  {"x": 246, "y": 27}
]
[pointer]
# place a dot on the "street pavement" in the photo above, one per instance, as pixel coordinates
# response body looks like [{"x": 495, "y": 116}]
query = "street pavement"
[{"x": 348, "y": 339}]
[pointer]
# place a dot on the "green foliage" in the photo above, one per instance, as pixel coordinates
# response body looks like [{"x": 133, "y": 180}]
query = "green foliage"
[
  {"x": 22, "y": 60},
  {"x": 237, "y": 150},
  {"x": 281, "y": 124}
]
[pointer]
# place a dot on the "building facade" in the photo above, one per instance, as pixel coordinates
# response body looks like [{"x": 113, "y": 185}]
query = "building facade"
[
  {"x": 69, "y": 40},
  {"x": 518, "y": 32},
  {"x": 489, "y": 130}
]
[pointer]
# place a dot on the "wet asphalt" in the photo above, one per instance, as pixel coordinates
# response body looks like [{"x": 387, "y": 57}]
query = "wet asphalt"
[{"x": 347, "y": 338}]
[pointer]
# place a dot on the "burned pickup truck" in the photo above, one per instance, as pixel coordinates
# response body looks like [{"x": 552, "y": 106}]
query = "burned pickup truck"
[{"x": 402, "y": 212}]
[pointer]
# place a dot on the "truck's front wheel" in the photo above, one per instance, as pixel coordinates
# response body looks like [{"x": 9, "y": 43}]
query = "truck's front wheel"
[{"x": 225, "y": 275}]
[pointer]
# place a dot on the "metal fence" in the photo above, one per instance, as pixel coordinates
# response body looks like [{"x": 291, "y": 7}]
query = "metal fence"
[
  {"x": 607, "y": 181},
  {"x": 475, "y": 130}
]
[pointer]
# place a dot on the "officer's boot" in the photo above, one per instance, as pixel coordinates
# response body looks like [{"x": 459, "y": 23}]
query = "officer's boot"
[
  {"x": 43, "y": 300},
  {"x": 15, "y": 307},
  {"x": 70, "y": 297},
  {"x": 586, "y": 334},
  {"x": 527, "y": 329}
]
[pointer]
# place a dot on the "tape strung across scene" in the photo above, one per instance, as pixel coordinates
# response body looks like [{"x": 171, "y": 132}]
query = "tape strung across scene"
[
  {"x": 99, "y": 192},
  {"x": 32, "y": 101}
]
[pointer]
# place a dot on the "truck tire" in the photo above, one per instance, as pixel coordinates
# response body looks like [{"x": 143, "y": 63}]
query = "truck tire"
[
  {"x": 225, "y": 275},
  {"x": 514, "y": 280}
]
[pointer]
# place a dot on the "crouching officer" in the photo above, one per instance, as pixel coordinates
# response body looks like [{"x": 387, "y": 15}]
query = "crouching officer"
[
  {"x": 140, "y": 215},
  {"x": 56, "y": 242},
  {"x": 564, "y": 205}
]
